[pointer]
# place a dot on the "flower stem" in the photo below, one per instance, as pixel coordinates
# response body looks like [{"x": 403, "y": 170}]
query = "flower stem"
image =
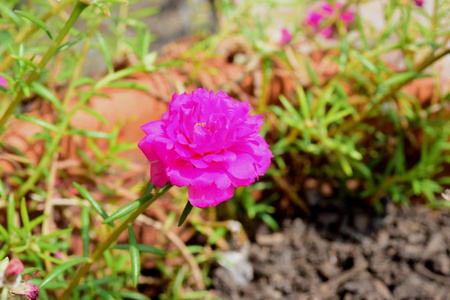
[
  {"x": 27, "y": 32},
  {"x": 43, "y": 163},
  {"x": 110, "y": 240},
  {"x": 78, "y": 9}
]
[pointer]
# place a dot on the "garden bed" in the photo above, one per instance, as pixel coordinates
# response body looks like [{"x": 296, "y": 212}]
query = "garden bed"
[{"x": 349, "y": 252}]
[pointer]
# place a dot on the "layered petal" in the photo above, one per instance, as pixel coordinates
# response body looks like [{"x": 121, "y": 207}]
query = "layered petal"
[
  {"x": 211, "y": 196},
  {"x": 208, "y": 142}
]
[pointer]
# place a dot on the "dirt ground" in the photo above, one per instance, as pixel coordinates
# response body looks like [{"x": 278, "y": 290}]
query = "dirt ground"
[{"x": 349, "y": 252}]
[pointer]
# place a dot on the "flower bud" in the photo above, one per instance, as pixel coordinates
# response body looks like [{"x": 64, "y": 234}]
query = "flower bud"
[
  {"x": 13, "y": 271},
  {"x": 3, "y": 82},
  {"x": 27, "y": 289}
]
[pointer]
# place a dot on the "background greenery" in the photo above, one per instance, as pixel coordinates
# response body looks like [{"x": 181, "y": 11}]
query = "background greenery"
[{"x": 340, "y": 117}]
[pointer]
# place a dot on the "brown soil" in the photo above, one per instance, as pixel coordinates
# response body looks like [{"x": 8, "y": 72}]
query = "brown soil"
[{"x": 348, "y": 252}]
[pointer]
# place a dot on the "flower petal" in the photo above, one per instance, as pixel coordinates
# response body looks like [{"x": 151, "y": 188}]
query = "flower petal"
[
  {"x": 243, "y": 167},
  {"x": 158, "y": 174},
  {"x": 209, "y": 196}
]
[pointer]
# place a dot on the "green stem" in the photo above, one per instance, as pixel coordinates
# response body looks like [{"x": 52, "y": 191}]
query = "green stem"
[
  {"x": 27, "y": 32},
  {"x": 4, "y": 294},
  {"x": 65, "y": 123},
  {"x": 81, "y": 273},
  {"x": 78, "y": 9}
]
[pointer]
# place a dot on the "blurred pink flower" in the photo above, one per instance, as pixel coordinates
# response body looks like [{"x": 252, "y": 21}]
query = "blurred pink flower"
[
  {"x": 208, "y": 142},
  {"x": 315, "y": 18},
  {"x": 3, "y": 82},
  {"x": 419, "y": 2},
  {"x": 27, "y": 289},
  {"x": 286, "y": 36},
  {"x": 32, "y": 291},
  {"x": 13, "y": 270},
  {"x": 11, "y": 279}
]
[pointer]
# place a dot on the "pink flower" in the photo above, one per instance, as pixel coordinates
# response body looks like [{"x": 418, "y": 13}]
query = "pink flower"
[
  {"x": 27, "y": 289},
  {"x": 208, "y": 142},
  {"x": 32, "y": 291},
  {"x": 286, "y": 36},
  {"x": 328, "y": 9},
  {"x": 419, "y": 2},
  {"x": 3, "y": 82},
  {"x": 315, "y": 18},
  {"x": 13, "y": 270}
]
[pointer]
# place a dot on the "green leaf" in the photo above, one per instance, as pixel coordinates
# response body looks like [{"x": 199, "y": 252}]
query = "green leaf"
[
  {"x": 362, "y": 34},
  {"x": 104, "y": 294},
  {"x": 42, "y": 91},
  {"x": 400, "y": 78},
  {"x": 25, "y": 88},
  {"x": 10, "y": 212},
  {"x": 49, "y": 258},
  {"x": 311, "y": 73},
  {"x": 87, "y": 196},
  {"x": 130, "y": 85},
  {"x": 291, "y": 109},
  {"x": 338, "y": 116},
  {"x": 132, "y": 295},
  {"x": 37, "y": 121},
  {"x": 135, "y": 256},
  {"x": 95, "y": 282},
  {"x": 67, "y": 46},
  {"x": 187, "y": 209},
  {"x": 38, "y": 220},
  {"x": 177, "y": 284},
  {"x": 24, "y": 215},
  {"x": 346, "y": 167},
  {"x": 3, "y": 232},
  {"x": 56, "y": 233},
  {"x": 90, "y": 133},
  {"x": 128, "y": 208},
  {"x": 85, "y": 229},
  {"x": 60, "y": 269},
  {"x": 389, "y": 31},
  {"x": 141, "y": 248},
  {"x": 9, "y": 13},
  {"x": 343, "y": 57},
  {"x": 25, "y": 61},
  {"x": 366, "y": 63},
  {"x": 105, "y": 51},
  {"x": 2, "y": 190},
  {"x": 303, "y": 103},
  {"x": 270, "y": 221},
  {"x": 95, "y": 113},
  {"x": 4, "y": 250},
  {"x": 35, "y": 20}
]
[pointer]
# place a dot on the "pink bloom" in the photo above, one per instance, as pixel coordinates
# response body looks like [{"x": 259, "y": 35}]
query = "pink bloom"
[
  {"x": 27, "y": 289},
  {"x": 328, "y": 9},
  {"x": 208, "y": 142},
  {"x": 286, "y": 36},
  {"x": 57, "y": 255},
  {"x": 315, "y": 18},
  {"x": 13, "y": 271},
  {"x": 347, "y": 17},
  {"x": 327, "y": 32},
  {"x": 419, "y": 2},
  {"x": 3, "y": 82},
  {"x": 32, "y": 291},
  {"x": 14, "y": 268}
]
